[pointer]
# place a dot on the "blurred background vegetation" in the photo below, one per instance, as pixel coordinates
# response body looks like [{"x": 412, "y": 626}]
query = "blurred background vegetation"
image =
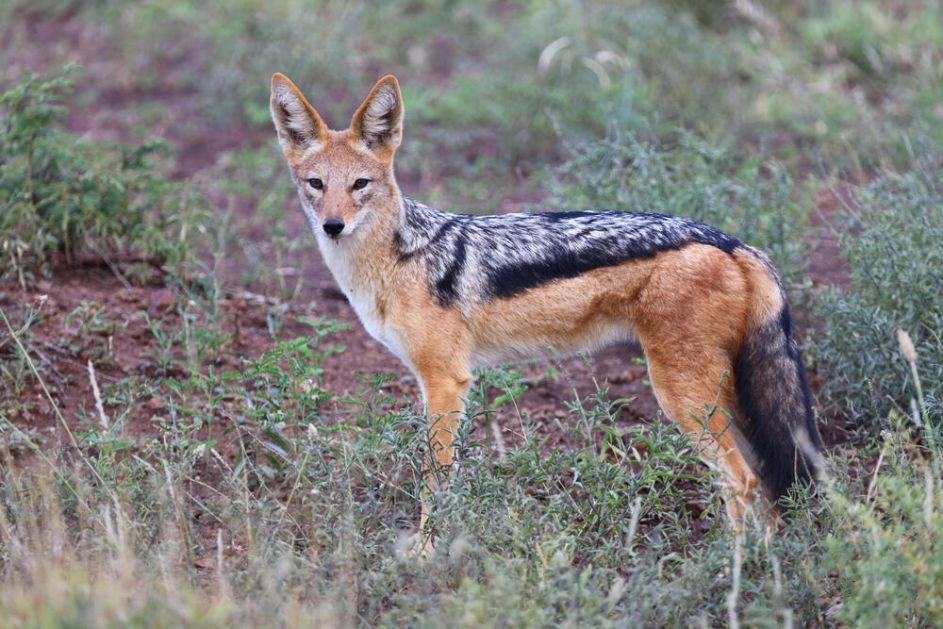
[
  {"x": 501, "y": 89},
  {"x": 811, "y": 128}
]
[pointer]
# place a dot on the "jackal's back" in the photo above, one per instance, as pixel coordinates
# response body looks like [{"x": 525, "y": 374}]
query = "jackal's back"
[{"x": 472, "y": 258}]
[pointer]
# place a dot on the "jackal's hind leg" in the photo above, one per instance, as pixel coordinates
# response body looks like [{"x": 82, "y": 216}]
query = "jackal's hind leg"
[{"x": 698, "y": 393}]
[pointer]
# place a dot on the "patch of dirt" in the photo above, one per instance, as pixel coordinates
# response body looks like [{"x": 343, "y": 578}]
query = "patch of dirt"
[
  {"x": 88, "y": 315},
  {"x": 828, "y": 265}
]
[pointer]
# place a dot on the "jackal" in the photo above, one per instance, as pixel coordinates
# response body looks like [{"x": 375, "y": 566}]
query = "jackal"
[{"x": 449, "y": 292}]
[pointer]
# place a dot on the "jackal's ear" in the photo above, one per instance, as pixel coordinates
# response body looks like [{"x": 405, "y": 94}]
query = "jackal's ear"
[
  {"x": 378, "y": 122},
  {"x": 297, "y": 123}
]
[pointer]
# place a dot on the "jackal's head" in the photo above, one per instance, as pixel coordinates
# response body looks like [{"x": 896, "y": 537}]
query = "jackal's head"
[{"x": 344, "y": 178}]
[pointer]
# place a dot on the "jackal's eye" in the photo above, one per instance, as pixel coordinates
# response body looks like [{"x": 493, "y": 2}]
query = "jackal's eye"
[
  {"x": 360, "y": 184},
  {"x": 316, "y": 183}
]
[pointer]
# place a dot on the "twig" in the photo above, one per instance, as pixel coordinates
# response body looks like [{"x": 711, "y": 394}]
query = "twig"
[
  {"x": 732, "y": 620},
  {"x": 98, "y": 396}
]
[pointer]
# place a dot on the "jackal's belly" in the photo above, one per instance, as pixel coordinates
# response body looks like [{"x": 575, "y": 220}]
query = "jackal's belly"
[
  {"x": 530, "y": 344},
  {"x": 574, "y": 315}
]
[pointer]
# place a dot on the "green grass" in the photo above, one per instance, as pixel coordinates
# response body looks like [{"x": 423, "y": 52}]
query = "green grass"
[{"x": 312, "y": 516}]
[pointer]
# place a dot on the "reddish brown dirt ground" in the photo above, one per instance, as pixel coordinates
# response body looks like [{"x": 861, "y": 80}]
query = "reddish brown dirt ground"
[{"x": 112, "y": 101}]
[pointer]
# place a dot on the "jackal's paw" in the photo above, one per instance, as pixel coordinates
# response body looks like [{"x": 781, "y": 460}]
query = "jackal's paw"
[{"x": 415, "y": 545}]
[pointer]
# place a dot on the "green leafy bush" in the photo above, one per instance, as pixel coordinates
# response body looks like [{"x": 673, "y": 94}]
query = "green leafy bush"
[
  {"x": 896, "y": 262},
  {"x": 60, "y": 194}
]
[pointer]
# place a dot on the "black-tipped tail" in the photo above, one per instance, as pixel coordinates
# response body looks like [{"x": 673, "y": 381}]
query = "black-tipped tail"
[{"x": 774, "y": 397}]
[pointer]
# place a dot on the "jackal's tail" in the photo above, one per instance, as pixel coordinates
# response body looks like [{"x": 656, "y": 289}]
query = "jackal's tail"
[{"x": 772, "y": 388}]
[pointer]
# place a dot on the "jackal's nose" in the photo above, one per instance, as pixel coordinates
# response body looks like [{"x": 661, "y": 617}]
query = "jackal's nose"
[{"x": 333, "y": 227}]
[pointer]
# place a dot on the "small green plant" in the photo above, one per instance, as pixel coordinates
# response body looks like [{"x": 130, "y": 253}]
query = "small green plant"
[
  {"x": 885, "y": 548},
  {"x": 16, "y": 404},
  {"x": 16, "y": 378},
  {"x": 62, "y": 196},
  {"x": 89, "y": 331}
]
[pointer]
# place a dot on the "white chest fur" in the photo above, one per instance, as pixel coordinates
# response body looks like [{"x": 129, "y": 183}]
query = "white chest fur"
[{"x": 361, "y": 291}]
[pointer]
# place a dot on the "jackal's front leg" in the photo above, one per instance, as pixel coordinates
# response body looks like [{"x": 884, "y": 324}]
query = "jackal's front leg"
[
  {"x": 444, "y": 403},
  {"x": 445, "y": 406}
]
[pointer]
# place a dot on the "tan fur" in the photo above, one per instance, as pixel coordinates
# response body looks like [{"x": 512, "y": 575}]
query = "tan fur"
[{"x": 678, "y": 304}]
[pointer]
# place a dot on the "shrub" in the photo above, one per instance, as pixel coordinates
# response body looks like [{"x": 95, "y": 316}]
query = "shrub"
[
  {"x": 60, "y": 194},
  {"x": 896, "y": 261}
]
